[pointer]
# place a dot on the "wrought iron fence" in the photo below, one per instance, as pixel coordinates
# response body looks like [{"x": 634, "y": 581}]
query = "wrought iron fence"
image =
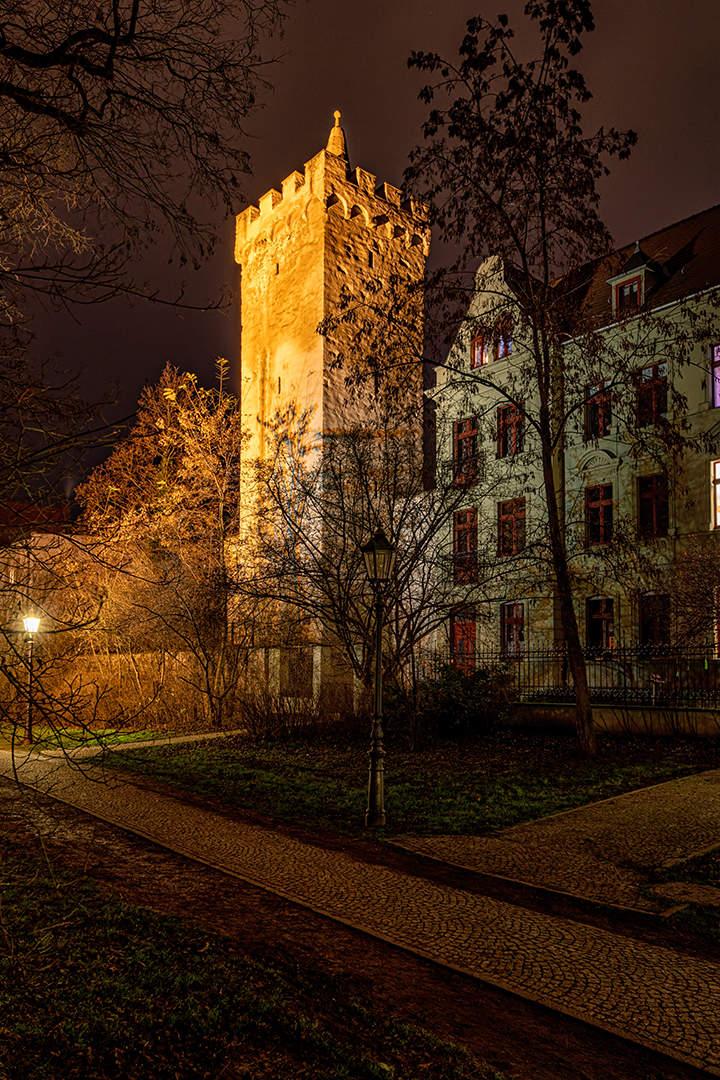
[{"x": 662, "y": 677}]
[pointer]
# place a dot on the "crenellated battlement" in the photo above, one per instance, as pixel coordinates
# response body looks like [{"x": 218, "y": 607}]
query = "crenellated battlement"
[{"x": 328, "y": 178}]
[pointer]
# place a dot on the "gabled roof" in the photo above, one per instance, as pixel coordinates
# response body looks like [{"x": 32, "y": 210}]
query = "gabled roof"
[{"x": 685, "y": 258}]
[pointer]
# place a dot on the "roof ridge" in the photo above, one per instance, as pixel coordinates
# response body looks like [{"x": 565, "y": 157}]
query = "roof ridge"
[{"x": 672, "y": 225}]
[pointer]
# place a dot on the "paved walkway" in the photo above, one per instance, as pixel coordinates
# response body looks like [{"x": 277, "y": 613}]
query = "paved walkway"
[
  {"x": 600, "y": 852},
  {"x": 651, "y": 995}
]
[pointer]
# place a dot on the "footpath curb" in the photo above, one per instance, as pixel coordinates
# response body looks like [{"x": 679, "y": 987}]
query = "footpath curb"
[{"x": 646, "y": 994}]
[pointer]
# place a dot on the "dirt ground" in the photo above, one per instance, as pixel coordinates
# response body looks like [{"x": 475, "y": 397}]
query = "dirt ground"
[{"x": 517, "y": 1037}]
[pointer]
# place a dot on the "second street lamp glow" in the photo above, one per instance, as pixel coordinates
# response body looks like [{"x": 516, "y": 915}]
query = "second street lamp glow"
[{"x": 31, "y": 624}]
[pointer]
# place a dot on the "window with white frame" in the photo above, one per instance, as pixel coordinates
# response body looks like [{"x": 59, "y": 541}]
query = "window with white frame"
[{"x": 627, "y": 296}]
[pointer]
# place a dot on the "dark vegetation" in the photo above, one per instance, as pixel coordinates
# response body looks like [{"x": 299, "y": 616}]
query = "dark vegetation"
[
  {"x": 453, "y": 705},
  {"x": 454, "y": 787},
  {"x": 96, "y": 988}
]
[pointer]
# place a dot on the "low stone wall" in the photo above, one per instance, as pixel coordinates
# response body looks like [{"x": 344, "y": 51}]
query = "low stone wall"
[{"x": 630, "y": 720}]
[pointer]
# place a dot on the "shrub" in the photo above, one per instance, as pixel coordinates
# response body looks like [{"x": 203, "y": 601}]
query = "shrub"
[
  {"x": 266, "y": 716},
  {"x": 454, "y": 705}
]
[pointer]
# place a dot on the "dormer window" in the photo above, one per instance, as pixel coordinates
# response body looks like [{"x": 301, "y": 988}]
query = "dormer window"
[
  {"x": 627, "y": 296},
  {"x": 636, "y": 280}
]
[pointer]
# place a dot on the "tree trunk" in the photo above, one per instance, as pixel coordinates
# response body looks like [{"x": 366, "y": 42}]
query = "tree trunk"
[
  {"x": 584, "y": 726},
  {"x": 583, "y": 709}
]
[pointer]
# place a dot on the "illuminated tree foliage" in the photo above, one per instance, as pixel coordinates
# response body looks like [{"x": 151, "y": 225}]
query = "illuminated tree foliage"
[{"x": 165, "y": 508}]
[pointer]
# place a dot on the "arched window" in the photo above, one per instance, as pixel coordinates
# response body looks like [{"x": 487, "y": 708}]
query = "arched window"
[
  {"x": 503, "y": 337},
  {"x": 480, "y": 349}
]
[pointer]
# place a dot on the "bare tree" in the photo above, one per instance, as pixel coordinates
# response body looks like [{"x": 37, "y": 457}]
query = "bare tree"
[
  {"x": 691, "y": 584},
  {"x": 513, "y": 175},
  {"x": 512, "y": 178},
  {"x": 120, "y": 121},
  {"x": 318, "y": 498}
]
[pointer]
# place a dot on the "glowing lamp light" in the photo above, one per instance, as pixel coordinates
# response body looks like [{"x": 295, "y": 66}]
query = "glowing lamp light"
[{"x": 31, "y": 624}]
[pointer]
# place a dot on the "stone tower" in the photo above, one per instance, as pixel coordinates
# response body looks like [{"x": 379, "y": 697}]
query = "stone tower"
[{"x": 329, "y": 229}]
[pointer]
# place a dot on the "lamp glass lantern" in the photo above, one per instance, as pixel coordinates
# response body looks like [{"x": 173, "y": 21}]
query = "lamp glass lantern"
[
  {"x": 31, "y": 624},
  {"x": 379, "y": 555}
]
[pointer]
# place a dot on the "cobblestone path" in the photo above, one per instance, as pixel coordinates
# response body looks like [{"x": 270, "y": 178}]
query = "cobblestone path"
[
  {"x": 651, "y": 995},
  {"x": 600, "y": 852}
]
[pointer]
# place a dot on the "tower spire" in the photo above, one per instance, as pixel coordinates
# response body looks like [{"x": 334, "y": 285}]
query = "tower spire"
[{"x": 336, "y": 140}]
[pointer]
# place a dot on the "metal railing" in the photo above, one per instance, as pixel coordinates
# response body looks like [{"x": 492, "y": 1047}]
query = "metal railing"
[{"x": 628, "y": 675}]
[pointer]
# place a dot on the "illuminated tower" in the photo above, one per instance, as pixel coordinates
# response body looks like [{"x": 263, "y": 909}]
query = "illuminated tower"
[{"x": 329, "y": 229}]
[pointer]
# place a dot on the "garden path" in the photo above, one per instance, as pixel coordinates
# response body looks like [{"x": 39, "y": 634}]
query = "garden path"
[
  {"x": 655, "y": 996},
  {"x": 601, "y": 852}
]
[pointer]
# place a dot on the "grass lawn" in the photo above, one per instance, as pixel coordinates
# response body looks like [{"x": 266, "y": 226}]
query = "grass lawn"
[
  {"x": 503, "y": 780},
  {"x": 45, "y": 738},
  {"x": 92, "y": 987}
]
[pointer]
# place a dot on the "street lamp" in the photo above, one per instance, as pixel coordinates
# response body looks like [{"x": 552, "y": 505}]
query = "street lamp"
[
  {"x": 379, "y": 555},
  {"x": 31, "y": 625}
]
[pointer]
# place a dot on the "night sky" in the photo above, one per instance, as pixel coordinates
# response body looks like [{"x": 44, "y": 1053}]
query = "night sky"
[{"x": 651, "y": 65}]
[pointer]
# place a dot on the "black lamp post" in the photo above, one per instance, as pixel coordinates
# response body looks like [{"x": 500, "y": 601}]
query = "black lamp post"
[
  {"x": 379, "y": 555},
  {"x": 31, "y": 626}
]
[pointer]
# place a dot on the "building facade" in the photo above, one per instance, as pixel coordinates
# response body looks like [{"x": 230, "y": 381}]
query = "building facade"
[{"x": 635, "y": 403}]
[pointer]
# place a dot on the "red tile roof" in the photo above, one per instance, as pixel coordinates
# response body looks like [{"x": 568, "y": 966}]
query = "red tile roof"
[{"x": 688, "y": 252}]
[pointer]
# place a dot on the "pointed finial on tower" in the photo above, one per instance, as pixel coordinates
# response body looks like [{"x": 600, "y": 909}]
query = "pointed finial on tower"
[{"x": 336, "y": 141}]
